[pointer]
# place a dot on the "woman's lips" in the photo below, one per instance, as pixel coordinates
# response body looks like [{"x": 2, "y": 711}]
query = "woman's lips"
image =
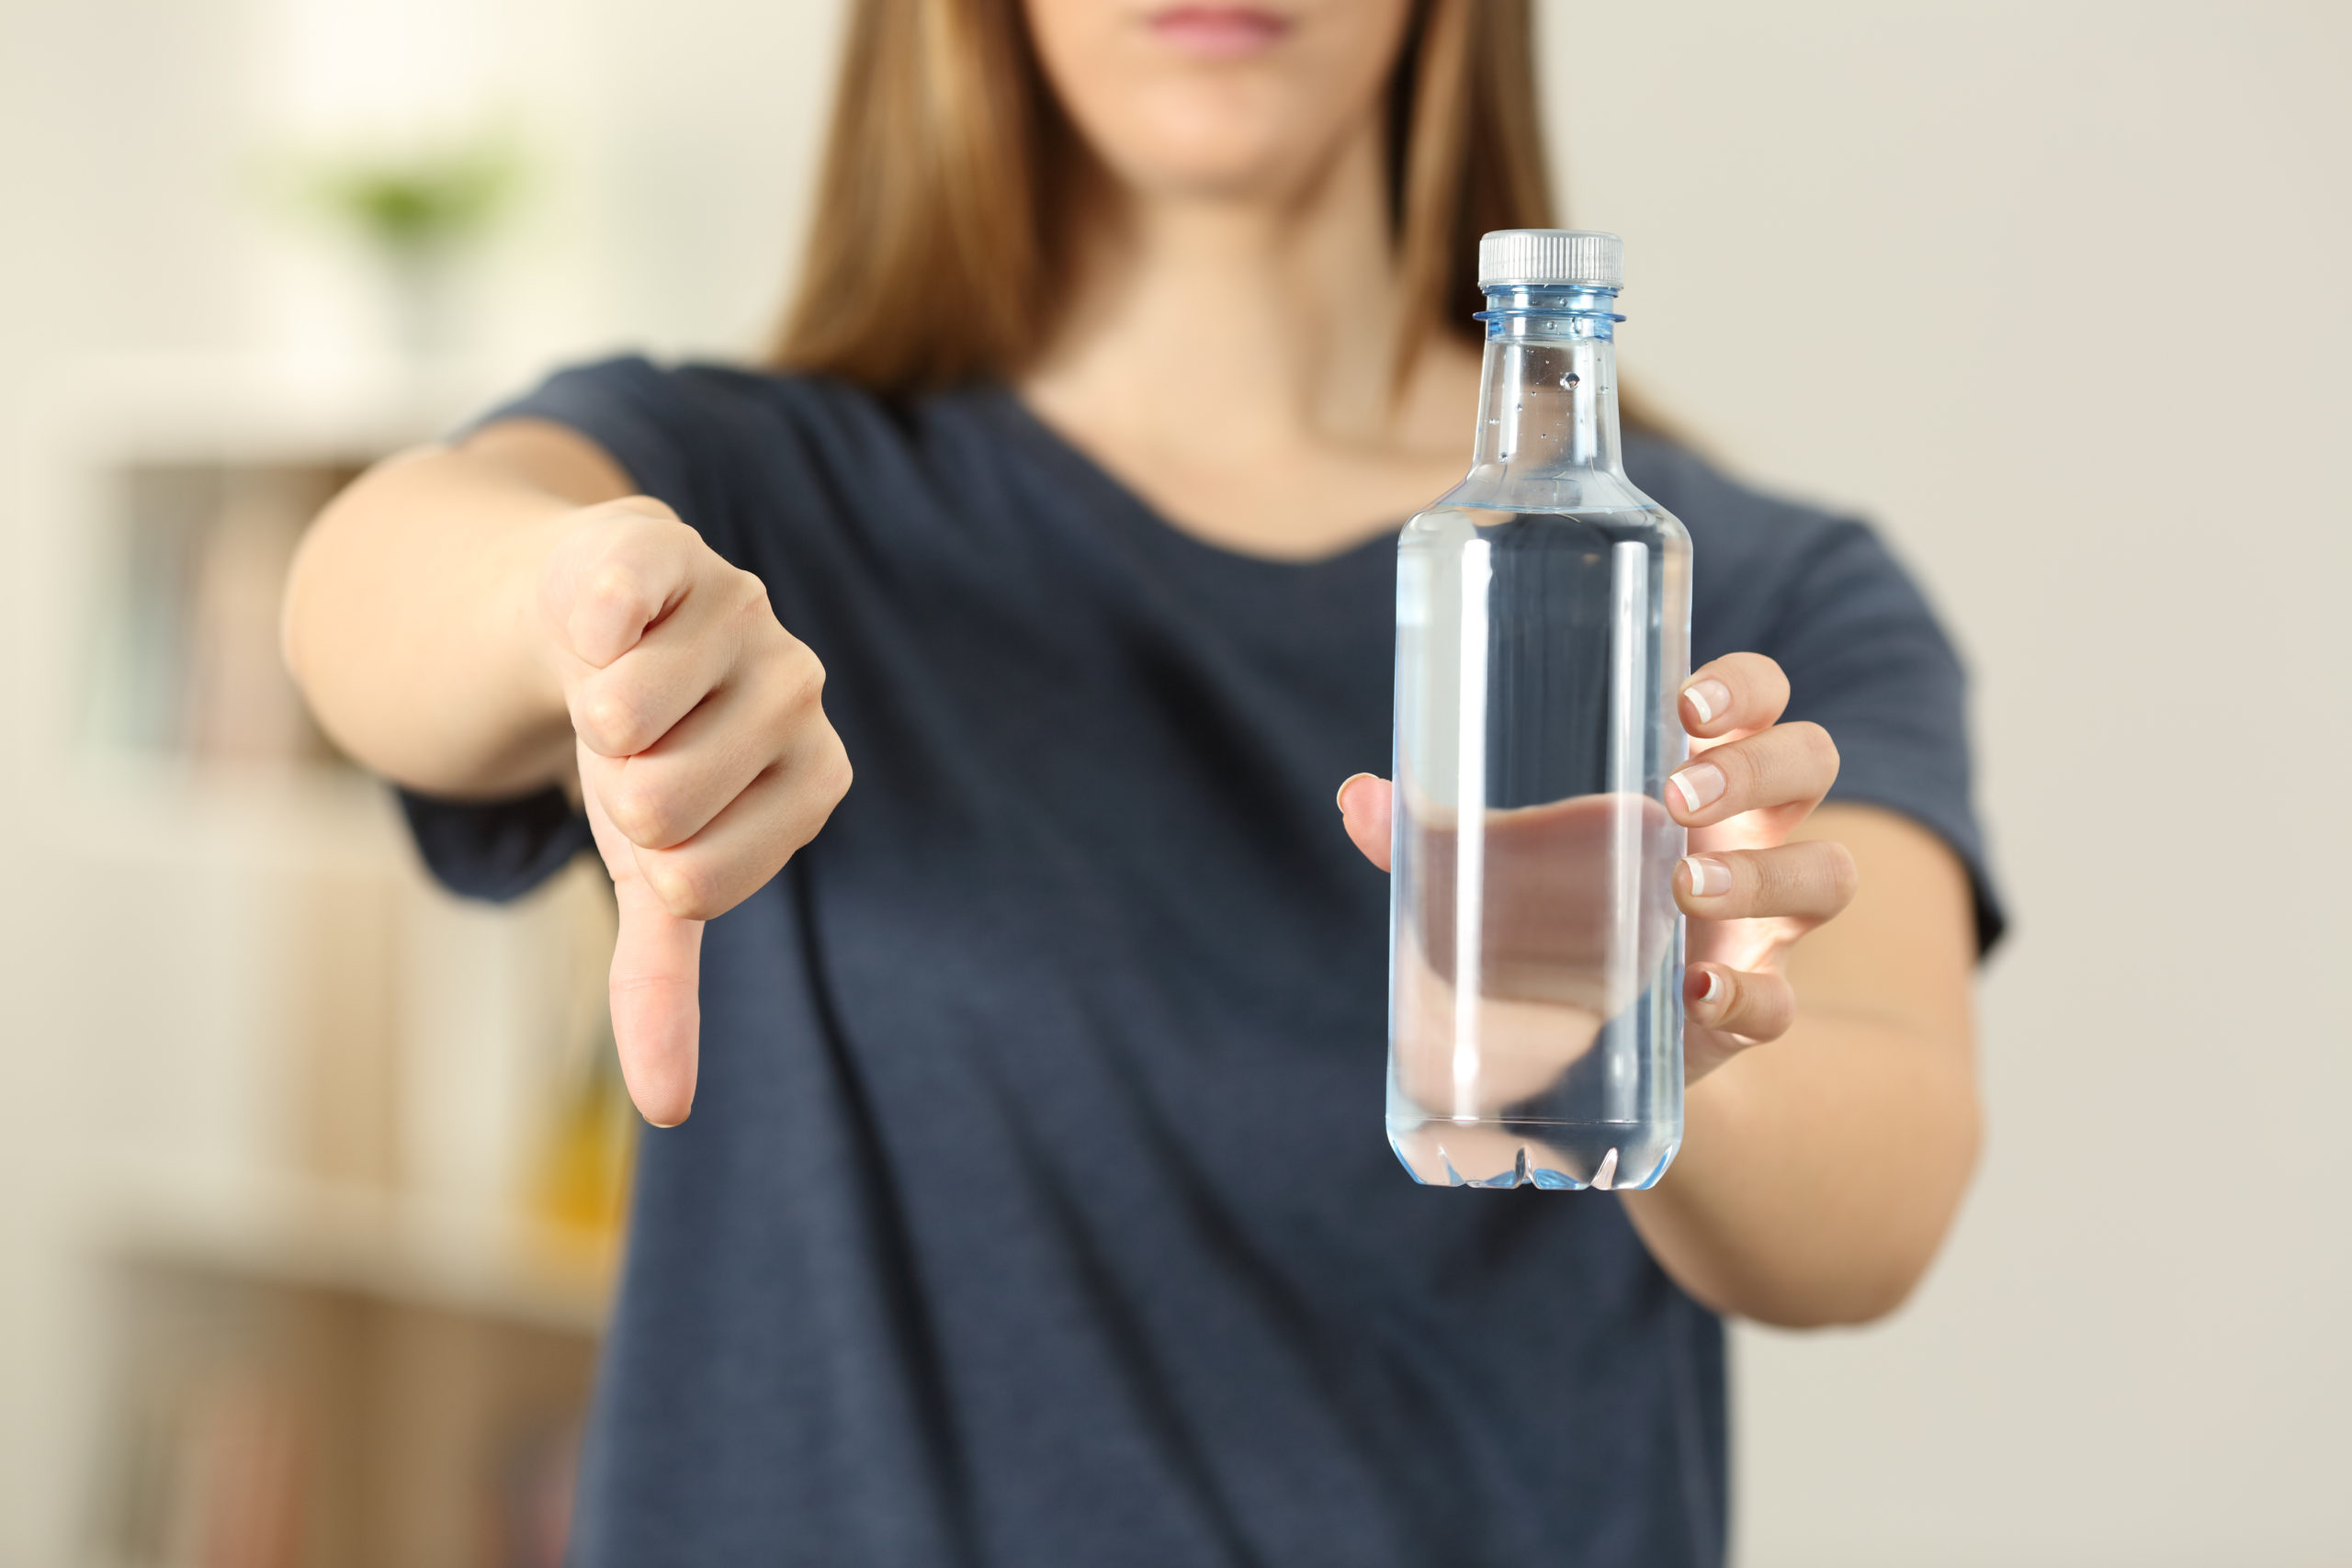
[{"x": 1218, "y": 31}]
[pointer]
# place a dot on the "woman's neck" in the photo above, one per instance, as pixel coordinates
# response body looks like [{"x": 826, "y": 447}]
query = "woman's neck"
[
  {"x": 1232, "y": 358},
  {"x": 1263, "y": 317}
]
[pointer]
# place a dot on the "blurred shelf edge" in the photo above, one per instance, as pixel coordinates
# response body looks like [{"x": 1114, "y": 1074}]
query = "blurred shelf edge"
[{"x": 393, "y": 1248}]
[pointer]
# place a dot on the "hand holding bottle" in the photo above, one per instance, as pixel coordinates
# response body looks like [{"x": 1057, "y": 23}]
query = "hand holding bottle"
[
  {"x": 706, "y": 759},
  {"x": 1750, "y": 894}
]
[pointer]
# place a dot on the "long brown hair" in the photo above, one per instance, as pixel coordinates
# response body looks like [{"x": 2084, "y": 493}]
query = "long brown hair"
[{"x": 941, "y": 205}]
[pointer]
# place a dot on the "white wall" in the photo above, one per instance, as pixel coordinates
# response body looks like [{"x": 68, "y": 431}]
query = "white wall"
[
  {"x": 2054, "y": 291},
  {"x": 2057, "y": 293}
]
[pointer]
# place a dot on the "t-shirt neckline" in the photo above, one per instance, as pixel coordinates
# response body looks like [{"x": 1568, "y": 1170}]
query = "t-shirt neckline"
[{"x": 1137, "y": 512}]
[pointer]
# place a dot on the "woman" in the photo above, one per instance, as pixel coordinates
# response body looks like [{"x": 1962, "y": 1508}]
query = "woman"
[{"x": 1034, "y": 1208}]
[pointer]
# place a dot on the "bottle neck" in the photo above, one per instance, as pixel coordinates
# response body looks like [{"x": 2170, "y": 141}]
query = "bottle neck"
[{"x": 1549, "y": 399}]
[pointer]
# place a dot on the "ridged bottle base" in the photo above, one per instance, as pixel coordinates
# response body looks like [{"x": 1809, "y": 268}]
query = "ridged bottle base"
[{"x": 1557, "y": 1156}]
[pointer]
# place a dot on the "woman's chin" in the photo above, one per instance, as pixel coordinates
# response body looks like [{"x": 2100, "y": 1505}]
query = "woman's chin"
[{"x": 1214, "y": 156}]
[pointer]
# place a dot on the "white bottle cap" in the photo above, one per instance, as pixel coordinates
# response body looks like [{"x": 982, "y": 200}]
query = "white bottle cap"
[{"x": 1551, "y": 258}]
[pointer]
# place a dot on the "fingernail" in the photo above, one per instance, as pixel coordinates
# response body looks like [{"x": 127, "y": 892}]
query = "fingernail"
[
  {"x": 1341, "y": 799},
  {"x": 1710, "y": 697},
  {"x": 1700, "y": 784},
  {"x": 1709, "y": 877},
  {"x": 1712, "y": 988}
]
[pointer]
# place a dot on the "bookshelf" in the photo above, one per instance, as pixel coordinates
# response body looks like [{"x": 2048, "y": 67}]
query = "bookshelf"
[{"x": 351, "y": 1213}]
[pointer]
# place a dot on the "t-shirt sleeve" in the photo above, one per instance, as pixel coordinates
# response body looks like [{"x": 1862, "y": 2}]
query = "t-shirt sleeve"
[
  {"x": 501, "y": 850},
  {"x": 1867, "y": 660},
  {"x": 645, "y": 418},
  {"x": 496, "y": 849}
]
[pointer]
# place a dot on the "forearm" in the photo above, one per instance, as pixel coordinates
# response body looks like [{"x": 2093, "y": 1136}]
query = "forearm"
[
  {"x": 1818, "y": 1173},
  {"x": 410, "y": 623},
  {"x": 1833, "y": 1124}
]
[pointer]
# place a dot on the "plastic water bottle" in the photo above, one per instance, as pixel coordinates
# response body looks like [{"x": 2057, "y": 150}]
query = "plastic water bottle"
[{"x": 1543, "y": 637}]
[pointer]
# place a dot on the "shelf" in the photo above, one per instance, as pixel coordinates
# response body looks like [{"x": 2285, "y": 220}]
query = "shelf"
[{"x": 303, "y": 1374}]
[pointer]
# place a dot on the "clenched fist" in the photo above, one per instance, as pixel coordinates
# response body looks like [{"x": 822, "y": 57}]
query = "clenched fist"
[{"x": 705, "y": 759}]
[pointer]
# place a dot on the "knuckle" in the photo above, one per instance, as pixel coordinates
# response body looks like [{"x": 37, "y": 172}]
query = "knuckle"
[
  {"x": 1766, "y": 672},
  {"x": 801, "y": 683},
  {"x": 1795, "y": 759},
  {"x": 642, "y": 520},
  {"x": 1793, "y": 885},
  {"x": 1742, "y": 775},
  {"x": 638, "y": 538},
  {"x": 1761, "y": 1007},
  {"x": 610, "y": 724},
  {"x": 1744, "y": 669},
  {"x": 611, "y": 585},
  {"x": 687, "y": 889},
  {"x": 640, "y": 810},
  {"x": 746, "y": 601},
  {"x": 1767, "y": 884},
  {"x": 834, "y": 773},
  {"x": 1845, "y": 877},
  {"x": 1816, "y": 757},
  {"x": 1759, "y": 687},
  {"x": 1817, "y": 741}
]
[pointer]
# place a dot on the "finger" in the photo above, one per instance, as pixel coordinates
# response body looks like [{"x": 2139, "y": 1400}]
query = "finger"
[
  {"x": 1788, "y": 764},
  {"x": 1810, "y": 881},
  {"x": 1738, "y": 692},
  {"x": 656, "y": 1000},
  {"x": 1366, "y": 800},
  {"x": 746, "y": 844},
  {"x": 1738, "y": 1002},
  {"x": 618, "y": 573},
  {"x": 655, "y": 983},
  {"x": 627, "y": 705},
  {"x": 669, "y": 792}
]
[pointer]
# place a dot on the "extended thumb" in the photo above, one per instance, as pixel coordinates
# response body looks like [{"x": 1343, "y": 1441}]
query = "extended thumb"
[{"x": 657, "y": 1008}]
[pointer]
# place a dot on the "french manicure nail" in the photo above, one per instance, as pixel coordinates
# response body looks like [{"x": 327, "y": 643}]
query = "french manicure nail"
[
  {"x": 1715, "y": 987},
  {"x": 1700, "y": 784},
  {"x": 1710, "y": 697},
  {"x": 1341, "y": 799},
  {"x": 1709, "y": 877}
]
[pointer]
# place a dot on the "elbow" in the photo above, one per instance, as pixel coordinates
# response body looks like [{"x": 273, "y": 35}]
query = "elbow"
[
  {"x": 1858, "y": 1297},
  {"x": 1869, "y": 1266},
  {"x": 306, "y": 616},
  {"x": 292, "y": 619},
  {"x": 340, "y": 560},
  {"x": 321, "y": 634}
]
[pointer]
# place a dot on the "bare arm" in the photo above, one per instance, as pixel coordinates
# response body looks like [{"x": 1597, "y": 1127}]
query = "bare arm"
[
  {"x": 412, "y": 615},
  {"x": 1831, "y": 1121},
  {"x": 488, "y": 620},
  {"x": 1819, "y": 1172}
]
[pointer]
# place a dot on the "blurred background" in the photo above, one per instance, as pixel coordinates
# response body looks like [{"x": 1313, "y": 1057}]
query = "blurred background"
[{"x": 310, "y": 1176}]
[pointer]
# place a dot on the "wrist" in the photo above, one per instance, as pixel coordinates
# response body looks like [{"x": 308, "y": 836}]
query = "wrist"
[
  {"x": 523, "y": 614},
  {"x": 510, "y": 623}
]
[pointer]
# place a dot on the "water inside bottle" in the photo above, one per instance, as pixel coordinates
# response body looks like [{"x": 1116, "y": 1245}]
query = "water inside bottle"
[{"x": 1536, "y": 677}]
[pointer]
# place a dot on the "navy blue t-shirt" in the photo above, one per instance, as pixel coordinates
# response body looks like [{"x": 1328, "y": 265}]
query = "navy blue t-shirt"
[{"x": 1035, "y": 1208}]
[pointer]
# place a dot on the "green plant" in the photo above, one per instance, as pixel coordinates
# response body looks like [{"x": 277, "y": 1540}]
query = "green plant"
[{"x": 412, "y": 204}]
